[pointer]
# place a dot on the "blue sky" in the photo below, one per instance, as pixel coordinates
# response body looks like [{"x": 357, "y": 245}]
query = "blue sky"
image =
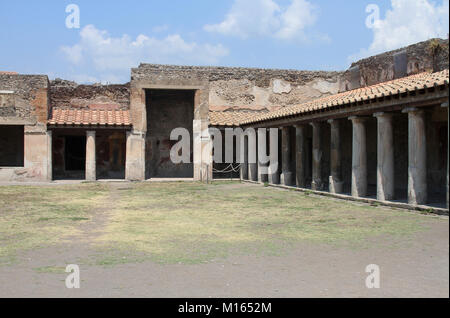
[{"x": 117, "y": 35}]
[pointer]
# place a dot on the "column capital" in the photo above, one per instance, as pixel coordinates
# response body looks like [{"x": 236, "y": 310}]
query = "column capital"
[
  {"x": 90, "y": 133},
  {"x": 357, "y": 118},
  {"x": 412, "y": 110},
  {"x": 333, "y": 121},
  {"x": 445, "y": 105},
  {"x": 383, "y": 114},
  {"x": 300, "y": 125},
  {"x": 315, "y": 123}
]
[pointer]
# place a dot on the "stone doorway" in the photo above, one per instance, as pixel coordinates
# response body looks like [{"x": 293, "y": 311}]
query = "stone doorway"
[{"x": 167, "y": 109}]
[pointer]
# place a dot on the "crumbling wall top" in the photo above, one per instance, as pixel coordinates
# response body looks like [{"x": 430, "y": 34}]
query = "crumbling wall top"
[{"x": 68, "y": 94}]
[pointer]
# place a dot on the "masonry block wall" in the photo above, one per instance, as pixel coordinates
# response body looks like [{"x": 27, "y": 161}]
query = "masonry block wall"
[
  {"x": 426, "y": 56},
  {"x": 219, "y": 89},
  {"x": 26, "y": 103},
  {"x": 70, "y": 95}
]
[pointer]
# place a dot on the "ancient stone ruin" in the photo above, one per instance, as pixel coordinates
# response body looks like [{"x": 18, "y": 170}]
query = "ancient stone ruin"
[{"x": 379, "y": 129}]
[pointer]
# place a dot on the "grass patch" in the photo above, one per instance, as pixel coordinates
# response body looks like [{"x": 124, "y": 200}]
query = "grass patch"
[
  {"x": 188, "y": 222},
  {"x": 194, "y": 223},
  {"x": 50, "y": 269},
  {"x": 33, "y": 217}
]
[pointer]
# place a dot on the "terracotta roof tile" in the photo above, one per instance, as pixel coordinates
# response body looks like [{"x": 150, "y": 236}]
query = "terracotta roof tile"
[
  {"x": 82, "y": 117},
  {"x": 8, "y": 73},
  {"x": 229, "y": 118},
  {"x": 394, "y": 87}
]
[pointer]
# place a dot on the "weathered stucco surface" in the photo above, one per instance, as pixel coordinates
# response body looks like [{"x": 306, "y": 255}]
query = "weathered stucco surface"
[{"x": 246, "y": 88}]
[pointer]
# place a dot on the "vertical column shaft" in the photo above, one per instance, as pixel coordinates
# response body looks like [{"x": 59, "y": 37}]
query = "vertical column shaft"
[
  {"x": 286, "y": 175},
  {"x": 316, "y": 183},
  {"x": 252, "y": 157},
  {"x": 244, "y": 164},
  {"x": 359, "y": 157},
  {"x": 300, "y": 156},
  {"x": 274, "y": 176},
  {"x": 90, "y": 156},
  {"x": 262, "y": 154},
  {"x": 335, "y": 181},
  {"x": 417, "y": 157},
  {"x": 135, "y": 156},
  {"x": 448, "y": 138},
  {"x": 49, "y": 155},
  {"x": 385, "y": 157}
]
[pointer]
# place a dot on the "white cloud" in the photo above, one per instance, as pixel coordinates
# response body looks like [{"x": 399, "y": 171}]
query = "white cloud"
[
  {"x": 248, "y": 18},
  {"x": 98, "y": 55},
  {"x": 407, "y": 22}
]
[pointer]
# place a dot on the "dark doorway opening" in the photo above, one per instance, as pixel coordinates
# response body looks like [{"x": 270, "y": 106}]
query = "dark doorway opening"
[
  {"x": 75, "y": 153},
  {"x": 11, "y": 146},
  {"x": 166, "y": 110},
  {"x": 400, "y": 130},
  {"x": 111, "y": 153}
]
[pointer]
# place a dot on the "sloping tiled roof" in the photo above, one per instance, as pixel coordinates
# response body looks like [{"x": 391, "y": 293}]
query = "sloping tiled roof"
[
  {"x": 8, "y": 73},
  {"x": 89, "y": 117},
  {"x": 229, "y": 118},
  {"x": 390, "y": 88}
]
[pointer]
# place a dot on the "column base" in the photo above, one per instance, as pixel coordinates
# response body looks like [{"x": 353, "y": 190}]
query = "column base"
[
  {"x": 286, "y": 178},
  {"x": 252, "y": 172},
  {"x": 417, "y": 198},
  {"x": 274, "y": 178},
  {"x": 316, "y": 185},
  {"x": 263, "y": 178},
  {"x": 335, "y": 185}
]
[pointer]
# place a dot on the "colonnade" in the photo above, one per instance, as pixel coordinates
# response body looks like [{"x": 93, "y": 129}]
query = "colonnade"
[{"x": 417, "y": 156}]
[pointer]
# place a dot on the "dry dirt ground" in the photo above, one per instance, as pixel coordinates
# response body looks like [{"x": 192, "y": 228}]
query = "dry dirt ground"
[{"x": 222, "y": 240}]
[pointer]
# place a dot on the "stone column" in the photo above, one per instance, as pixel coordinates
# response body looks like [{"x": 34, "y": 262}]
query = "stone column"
[
  {"x": 317, "y": 183},
  {"x": 135, "y": 156},
  {"x": 262, "y": 155},
  {"x": 336, "y": 184},
  {"x": 448, "y": 138},
  {"x": 385, "y": 157},
  {"x": 274, "y": 176},
  {"x": 244, "y": 164},
  {"x": 202, "y": 146},
  {"x": 359, "y": 157},
  {"x": 286, "y": 173},
  {"x": 252, "y": 158},
  {"x": 49, "y": 155},
  {"x": 417, "y": 157},
  {"x": 90, "y": 156},
  {"x": 37, "y": 153},
  {"x": 300, "y": 156}
]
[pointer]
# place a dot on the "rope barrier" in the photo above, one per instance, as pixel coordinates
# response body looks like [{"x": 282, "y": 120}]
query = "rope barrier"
[{"x": 228, "y": 169}]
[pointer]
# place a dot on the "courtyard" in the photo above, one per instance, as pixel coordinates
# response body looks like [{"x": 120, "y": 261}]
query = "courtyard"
[{"x": 224, "y": 239}]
